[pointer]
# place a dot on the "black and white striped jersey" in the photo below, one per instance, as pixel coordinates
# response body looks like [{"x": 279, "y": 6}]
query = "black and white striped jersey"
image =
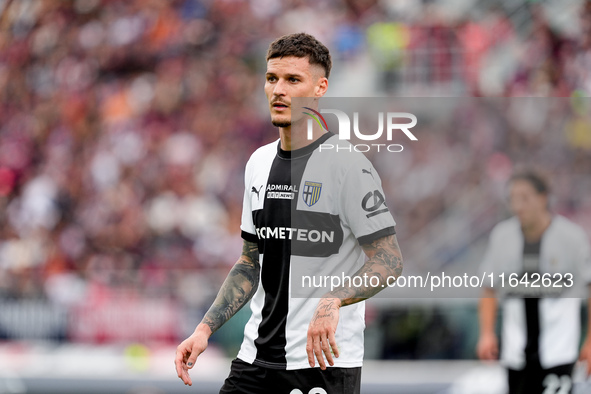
[
  {"x": 547, "y": 328},
  {"x": 309, "y": 210}
]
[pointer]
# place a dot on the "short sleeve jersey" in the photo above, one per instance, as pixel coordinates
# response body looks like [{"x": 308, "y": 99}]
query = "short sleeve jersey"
[
  {"x": 564, "y": 249},
  {"x": 309, "y": 210}
]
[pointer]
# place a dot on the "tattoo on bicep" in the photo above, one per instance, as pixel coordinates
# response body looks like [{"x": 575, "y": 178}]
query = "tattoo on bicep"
[
  {"x": 238, "y": 288},
  {"x": 385, "y": 260},
  {"x": 250, "y": 251},
  {"x": 385, "y": 251}
]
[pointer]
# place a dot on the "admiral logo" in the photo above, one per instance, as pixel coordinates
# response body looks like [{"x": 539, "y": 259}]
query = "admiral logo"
[
  {"x": 392, "y": 124},
  {"x": 282, "y": 192}
]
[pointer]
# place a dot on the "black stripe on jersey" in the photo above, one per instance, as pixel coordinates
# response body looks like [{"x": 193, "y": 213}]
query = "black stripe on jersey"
[
  {"x": 287, "y": 169},
  {"x": 531, "y": 253},
  {"x": 270, "y": 342},
  {"x": 249, "y": 237},
  {"x": 367, "y": 239}
]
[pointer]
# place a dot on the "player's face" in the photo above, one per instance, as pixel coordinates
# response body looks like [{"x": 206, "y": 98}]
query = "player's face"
[
  {"x": 289, "y": 77},
  {"x": 526, "y": 203}
]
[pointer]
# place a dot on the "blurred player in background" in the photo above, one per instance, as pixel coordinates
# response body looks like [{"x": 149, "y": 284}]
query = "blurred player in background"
[
  {"x": 296, "y": 195},
  {"x": 540, "y": 336}
]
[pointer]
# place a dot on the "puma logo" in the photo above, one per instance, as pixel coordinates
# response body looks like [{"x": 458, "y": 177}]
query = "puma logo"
[
  {"x": 254, "y": 190},
  {"x": 364, "y": 171}
]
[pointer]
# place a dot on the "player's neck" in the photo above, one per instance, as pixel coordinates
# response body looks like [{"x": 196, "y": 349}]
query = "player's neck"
[
  {"x": 533, "y": 231},
  {"x": 296, "y": 136}
]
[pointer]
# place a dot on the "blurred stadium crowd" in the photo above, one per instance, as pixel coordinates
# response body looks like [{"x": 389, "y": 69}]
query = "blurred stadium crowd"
[{"x": 125, "y": 127}]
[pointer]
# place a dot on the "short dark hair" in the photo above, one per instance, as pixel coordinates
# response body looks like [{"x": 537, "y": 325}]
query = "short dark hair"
[
  {"x": 301, "y": 45},
  {"x": 537, "y": 180}
]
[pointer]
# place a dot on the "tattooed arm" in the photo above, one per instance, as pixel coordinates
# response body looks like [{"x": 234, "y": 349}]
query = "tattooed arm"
[
  {"x": 385, "y": 260},
  {"x": 238, "y": 288}
]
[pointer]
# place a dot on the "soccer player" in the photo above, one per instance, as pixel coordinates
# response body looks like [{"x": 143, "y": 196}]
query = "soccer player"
[
  {"x": 307, "y": 211},
  {"x": 540, "y": 336}
]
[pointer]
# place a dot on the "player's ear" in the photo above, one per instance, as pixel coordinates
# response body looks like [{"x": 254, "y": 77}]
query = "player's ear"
[{"x": 321, "y": 87}]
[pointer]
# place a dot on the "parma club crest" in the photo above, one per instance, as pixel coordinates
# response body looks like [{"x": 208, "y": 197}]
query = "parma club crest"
[{"x": 311, "y": 192}]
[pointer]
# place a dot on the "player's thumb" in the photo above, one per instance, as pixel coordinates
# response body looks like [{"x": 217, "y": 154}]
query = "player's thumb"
[
  {"x": 495, "y": 353},
  {"x": 192, "y": 359}
]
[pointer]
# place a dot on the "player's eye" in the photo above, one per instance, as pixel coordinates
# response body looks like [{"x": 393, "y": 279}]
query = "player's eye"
[
  {"x": 271, "y": 78},
  {"x": 293, "y": 79}
]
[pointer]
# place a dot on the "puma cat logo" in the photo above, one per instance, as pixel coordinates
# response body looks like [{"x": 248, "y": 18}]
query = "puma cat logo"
[{"x": 254, "y": 190}]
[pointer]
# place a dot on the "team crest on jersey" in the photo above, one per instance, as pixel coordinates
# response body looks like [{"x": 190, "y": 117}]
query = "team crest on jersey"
[{"x": 311, "y": 192}]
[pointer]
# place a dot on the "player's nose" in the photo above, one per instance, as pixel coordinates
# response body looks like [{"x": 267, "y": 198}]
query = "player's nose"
[
  {"x": 280, "y": 88},
  {"x": 518, "y": 210}
]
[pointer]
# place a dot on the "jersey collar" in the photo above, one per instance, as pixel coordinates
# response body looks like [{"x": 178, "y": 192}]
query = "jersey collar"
[{"x": 306, "y": 150}]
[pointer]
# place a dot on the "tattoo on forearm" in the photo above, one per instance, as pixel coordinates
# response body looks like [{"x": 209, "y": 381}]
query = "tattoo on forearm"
[
  {"x": 325, "y": 310},
  {"x": 385, "y": 260},
  {"x": 238, "y": 288}
]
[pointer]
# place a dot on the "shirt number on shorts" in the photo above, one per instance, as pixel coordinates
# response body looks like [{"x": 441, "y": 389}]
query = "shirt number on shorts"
[
  {"x": 315, "y": 390},
  {"x": 557, "y": 385}
]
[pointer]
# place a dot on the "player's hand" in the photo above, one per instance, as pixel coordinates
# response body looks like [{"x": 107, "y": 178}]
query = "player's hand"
[
  {"x": 488, "y": 347},
  {"x": 188, "y": 351},
  {"x": 321, "y": 332},
  {"x": 585, "y": 354}
]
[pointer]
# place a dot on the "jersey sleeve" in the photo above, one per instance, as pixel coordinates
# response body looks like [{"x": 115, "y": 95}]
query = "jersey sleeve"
[
  {"x": 488, "y": 266},
  {"x": 248, "y": 231},
  {"x": 363, "y": 203},
  {"x": 583, "y": 258},
  {"x": 492, "y": 263}
]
